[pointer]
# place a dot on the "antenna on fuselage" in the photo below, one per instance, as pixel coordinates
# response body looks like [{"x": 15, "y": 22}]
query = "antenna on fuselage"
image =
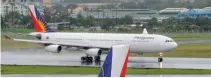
[{"x": 145, "y": 31}]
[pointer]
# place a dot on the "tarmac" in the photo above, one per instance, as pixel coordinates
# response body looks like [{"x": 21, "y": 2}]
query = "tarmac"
[{"x": 39, "y": 56}]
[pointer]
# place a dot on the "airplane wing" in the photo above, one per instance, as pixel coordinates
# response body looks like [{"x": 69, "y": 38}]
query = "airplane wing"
[
  {"x": 193, "y": 41},
  {"x": 55, "y": 42}
]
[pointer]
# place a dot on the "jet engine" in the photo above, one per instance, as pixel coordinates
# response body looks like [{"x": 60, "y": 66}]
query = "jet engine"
[
  {"x": 94, "y": 52},
  {"x": 53, "y": 48}
]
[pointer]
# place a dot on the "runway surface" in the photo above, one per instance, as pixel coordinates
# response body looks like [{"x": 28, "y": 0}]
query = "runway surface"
[
  {"x": 67, "y": 58},
  {"x": 47, "y": 75}
]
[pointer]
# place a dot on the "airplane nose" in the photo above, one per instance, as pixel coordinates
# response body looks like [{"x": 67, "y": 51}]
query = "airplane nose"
[{"x": 174, "y": 45}]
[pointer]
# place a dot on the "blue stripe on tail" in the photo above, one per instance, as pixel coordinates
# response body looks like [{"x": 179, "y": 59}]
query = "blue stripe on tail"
[{"x": 106, "y": 68}]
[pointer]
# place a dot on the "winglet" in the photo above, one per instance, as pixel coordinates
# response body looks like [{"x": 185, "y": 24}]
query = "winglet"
[
  {"x": 7, "y": 37},
  {"x": 115, "y": 64}
]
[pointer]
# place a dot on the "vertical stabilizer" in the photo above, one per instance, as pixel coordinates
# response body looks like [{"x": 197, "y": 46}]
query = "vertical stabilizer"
[
  {"x": 115, "y": 64},
  {"x": 40, "y": 25}
]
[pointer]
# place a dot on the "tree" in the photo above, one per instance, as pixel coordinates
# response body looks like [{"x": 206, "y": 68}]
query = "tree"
[
  {"x": 153, "y": 22},
  {"x": 108, "y": 22},
  {"x": 193, "y": 28},
  {"x": 202, "y": 22},
  {"x": 72, "y": 21},
  {"x": 3, "y": 24},
  {"x": 89, "y": 21},
  {"x": 153, "y": 3},
  {"x": 25, "y": 20},
  {"x": 47, "y": 17},
  {"x": 14, "y": 15},
  {"x": 128, "y": 19},
  {"x": 59, "y": 8},
  {"x": 129, "y": 5},
  {"x": 80, "y": 20}
]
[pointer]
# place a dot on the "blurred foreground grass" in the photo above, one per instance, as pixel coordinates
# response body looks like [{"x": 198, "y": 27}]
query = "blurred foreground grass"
[{"x": 16, "y": 69}]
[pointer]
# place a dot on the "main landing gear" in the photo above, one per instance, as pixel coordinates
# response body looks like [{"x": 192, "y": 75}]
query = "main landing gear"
[{"x": 90, "y": 58}]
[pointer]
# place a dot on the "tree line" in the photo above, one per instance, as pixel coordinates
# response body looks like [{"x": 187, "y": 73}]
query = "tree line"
[
  {"x": 172, "y": 24},
  {"x": 161, "y": 4},
  {"x": 14, "y": 18}
]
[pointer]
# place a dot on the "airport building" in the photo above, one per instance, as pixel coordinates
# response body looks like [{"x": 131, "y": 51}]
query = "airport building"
[
  {"x": 20, "y": 6},
  {"x": 140, "y": 15},
  {"x": 195, "y": 13},
  {"x": 14, "y": 7},
  {"x": 137, "y": 14}
]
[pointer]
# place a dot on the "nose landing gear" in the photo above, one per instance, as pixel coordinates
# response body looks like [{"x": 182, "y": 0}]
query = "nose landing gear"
[{"x": 160, "y": 60}]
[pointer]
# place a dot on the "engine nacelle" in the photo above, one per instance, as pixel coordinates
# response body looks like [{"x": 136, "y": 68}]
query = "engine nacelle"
[
  {"x": 94, "y": 52},
  {"x": 53, "y": 48}
]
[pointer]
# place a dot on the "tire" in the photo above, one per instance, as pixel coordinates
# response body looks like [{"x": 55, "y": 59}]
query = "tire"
[
  {"x": 160, "y": 59},
  {"x": 90, "y": 59},
  {"x": 83, "y": 58},
  {"x": 97, "y": 58}
]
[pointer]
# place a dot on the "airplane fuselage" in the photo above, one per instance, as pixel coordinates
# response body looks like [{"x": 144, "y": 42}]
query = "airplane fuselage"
[{"x": 140, "y": 43}]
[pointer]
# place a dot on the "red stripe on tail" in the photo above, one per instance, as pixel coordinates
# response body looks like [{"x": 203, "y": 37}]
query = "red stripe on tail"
[
  {"x": 35, "y": 22},
  {"x": 124, "y": 68}
]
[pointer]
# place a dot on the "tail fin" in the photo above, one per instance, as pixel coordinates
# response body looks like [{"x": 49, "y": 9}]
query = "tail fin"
[
  {"x": 115, "y": 64},
  {"x": 40, "y": 25}
]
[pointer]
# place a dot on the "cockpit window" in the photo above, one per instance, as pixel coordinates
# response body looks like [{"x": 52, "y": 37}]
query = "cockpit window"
[{"x": 169, "y": 41}]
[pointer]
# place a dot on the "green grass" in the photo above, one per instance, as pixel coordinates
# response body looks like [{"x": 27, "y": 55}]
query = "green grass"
[
  {"x": 189, "y": 36},
  {"x": 10, "y": 44},
  {"x": 14, "y": 69},
  {"x": 17, "y": 30}
]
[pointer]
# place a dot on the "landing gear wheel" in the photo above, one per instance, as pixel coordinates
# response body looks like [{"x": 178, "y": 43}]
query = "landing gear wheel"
[
  {"x": 90, "y": 59},
  {"x": 97, "y": 58},
  {"x": 83, "y": 58},
  {"x": 87, "y": 58},
  {"x": 160, "y": 59}
]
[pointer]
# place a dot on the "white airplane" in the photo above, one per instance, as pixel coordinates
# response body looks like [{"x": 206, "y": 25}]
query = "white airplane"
[{"x": 95, "y": 43}]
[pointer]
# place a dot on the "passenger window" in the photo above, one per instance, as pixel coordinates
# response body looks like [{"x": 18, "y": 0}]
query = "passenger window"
[{"x": 169, "y": 41}]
